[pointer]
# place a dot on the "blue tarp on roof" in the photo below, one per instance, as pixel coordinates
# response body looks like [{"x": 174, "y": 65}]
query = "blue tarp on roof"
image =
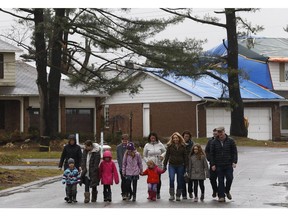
[
  {"x": 253, "y": 64},
  {"x": 208, "y": 87}
]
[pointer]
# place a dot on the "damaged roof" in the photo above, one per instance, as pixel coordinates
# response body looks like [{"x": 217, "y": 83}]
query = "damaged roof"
[{"x": 208, "y": 87}]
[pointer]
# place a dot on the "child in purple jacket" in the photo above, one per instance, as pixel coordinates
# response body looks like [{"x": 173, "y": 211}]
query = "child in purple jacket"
[{"x": 131, "y": 168}]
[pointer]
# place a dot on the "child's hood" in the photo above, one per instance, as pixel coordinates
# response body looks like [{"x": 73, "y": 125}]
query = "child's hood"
[{"x": 107, "y": 154}]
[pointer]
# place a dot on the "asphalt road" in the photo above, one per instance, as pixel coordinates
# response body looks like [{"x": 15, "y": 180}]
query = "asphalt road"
[{"x": 260, "y": 181}]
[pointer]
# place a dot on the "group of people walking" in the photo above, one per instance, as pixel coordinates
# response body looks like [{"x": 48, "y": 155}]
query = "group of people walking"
[{"x": 186, "y": 162}]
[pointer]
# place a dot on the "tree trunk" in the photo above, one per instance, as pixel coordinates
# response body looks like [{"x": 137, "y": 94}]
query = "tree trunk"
[
  {"x": 55, "y": 71},
  {"x": 41, "y": 64},
  {"x": 237, "y": 127}
]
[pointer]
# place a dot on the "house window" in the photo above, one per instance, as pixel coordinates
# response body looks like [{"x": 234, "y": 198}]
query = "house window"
[
  {"x": 284, "y": 117},
  {"x": 106, "y": 116},
  {"x": 1, "y": 66},
  {"x": 283, "y": 72}
]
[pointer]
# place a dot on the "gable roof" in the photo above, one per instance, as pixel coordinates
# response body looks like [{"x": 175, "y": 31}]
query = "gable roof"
[
  {"x": 266, "y": 47},
  {"x": 207, "y": 87},
  {"x": 26, "y": 76},
  {"x": 6, "y": 47}
]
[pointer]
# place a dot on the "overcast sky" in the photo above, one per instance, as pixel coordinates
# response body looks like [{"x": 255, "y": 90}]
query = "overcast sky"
[{"x": 273, "y": 20}]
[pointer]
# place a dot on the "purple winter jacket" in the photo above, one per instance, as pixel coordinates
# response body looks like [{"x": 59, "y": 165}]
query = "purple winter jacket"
[{"x": 132, "y": 166}]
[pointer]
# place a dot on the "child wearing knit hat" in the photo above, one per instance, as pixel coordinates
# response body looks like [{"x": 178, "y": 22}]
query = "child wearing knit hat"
[{"x": 71, "y": 177}]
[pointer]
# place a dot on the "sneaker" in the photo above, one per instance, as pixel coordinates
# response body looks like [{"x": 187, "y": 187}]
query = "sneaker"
[
  {"x": 74, "y": 200},
  {"x": 229, "y": 196},
  {"x": 202, "y": 197},
  {"x": 178, "y": 198},
  {"x": 184, "y": 197},
  {"x": 214, "y": 194},
  {"x": 66, "y": 199},
  {"x": 221, "y": 199},
  {"x": 69, "y": 201},
  {"x": 196, "y": 199},
  {"x": 158, "y": 196},
  {"x": 124, "y": 197},
  {"x": 190, "y": 195}
]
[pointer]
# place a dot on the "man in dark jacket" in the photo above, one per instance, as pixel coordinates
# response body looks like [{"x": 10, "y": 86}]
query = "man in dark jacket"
[
  {"x": 71, "y": 150},
  {"x": 213, "y": 174},
  {"x": 223, "y": 159}
]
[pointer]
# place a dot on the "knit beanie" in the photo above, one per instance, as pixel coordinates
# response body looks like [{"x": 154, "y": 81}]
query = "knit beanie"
[
  {"x": 71, "y": 160},
  {"x": 130, "y": 146}
]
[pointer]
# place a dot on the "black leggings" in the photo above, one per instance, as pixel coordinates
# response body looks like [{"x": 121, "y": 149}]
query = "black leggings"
[{"x": 201, "y": 185}]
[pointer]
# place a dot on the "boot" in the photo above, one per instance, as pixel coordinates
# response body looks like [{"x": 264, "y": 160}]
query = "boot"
[
  {"x": 105, "y": 196},
  {"x": 172, "y": 194},
  {"x": 150, "y": 195},
  {"x": 158, "y": 196},
  {"x": 86, "y": 197},
  {"x": 153, "y": 195},
  {"x": 74, "y": 197},
  {"x": 178, "y": 194},
  {"x": 94, "y": 196},
  {"x": 109, "y": 197}
]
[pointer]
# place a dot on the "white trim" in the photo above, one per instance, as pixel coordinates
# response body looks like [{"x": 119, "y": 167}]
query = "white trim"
[
  {"x": 21, "y": 115},
  {"x": 146, "y": 120}
]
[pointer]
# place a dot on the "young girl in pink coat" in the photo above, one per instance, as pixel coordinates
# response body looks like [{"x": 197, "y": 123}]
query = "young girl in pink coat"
[{"x": 108, "y": 172}]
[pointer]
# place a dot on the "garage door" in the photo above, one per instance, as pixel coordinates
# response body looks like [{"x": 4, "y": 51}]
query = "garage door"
[{"x": 259, "y": 121}]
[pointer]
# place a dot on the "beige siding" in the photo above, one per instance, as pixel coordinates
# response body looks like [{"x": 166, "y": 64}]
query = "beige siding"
[
  {"x": 80, "y": 102},
  {"x": 152, "y": 91},
  {"x": 275, "y": 76},
  {"x": 9, "y": 70},
  {"x": 34, "y": 102}
]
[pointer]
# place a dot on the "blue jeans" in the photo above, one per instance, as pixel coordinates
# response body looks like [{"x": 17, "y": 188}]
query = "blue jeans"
[
  {"x": 222, "y": 173},
  {"x": 179, "y": 171}
]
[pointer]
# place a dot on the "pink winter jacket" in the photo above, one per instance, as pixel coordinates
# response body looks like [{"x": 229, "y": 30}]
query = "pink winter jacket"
[{"x": 108, "y": 170}]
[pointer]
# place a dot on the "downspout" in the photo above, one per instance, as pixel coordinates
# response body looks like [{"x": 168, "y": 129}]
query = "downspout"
[{"x": 197, "y": 130}]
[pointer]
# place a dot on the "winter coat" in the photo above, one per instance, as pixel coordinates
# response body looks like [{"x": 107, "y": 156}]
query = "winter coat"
[
  {"x": 189, "y": 146},
  {"x": 223, "y": 155},
  {"x": 153, "y": 151},
  {"x": 176, "y": 156},
  {"x": 208, "y": 148},
  {"x": 120, "y": 150},
  {"x": 153, "y": 174},
  {"x": 71, "y": 177},
  {"x": 108, "y": 170},
  {"x": 90, "y": 165},
  {"x": 132, "y": 166},
  {"x": 198, "y": 169},
  {"x": 71, "y": 151}
]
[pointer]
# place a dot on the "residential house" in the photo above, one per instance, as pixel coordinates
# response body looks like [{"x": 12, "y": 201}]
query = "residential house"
[
  {"x": 169, "y": 104},
  {"x": 19, "y": 99},
  {"x": 265, "y": 61}
]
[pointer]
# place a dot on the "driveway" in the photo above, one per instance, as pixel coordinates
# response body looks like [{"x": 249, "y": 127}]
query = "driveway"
[{"x": 260, "y": 181}]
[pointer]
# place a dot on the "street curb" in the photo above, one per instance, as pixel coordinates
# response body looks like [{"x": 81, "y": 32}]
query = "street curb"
[{"x": 26, "y": 187}]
